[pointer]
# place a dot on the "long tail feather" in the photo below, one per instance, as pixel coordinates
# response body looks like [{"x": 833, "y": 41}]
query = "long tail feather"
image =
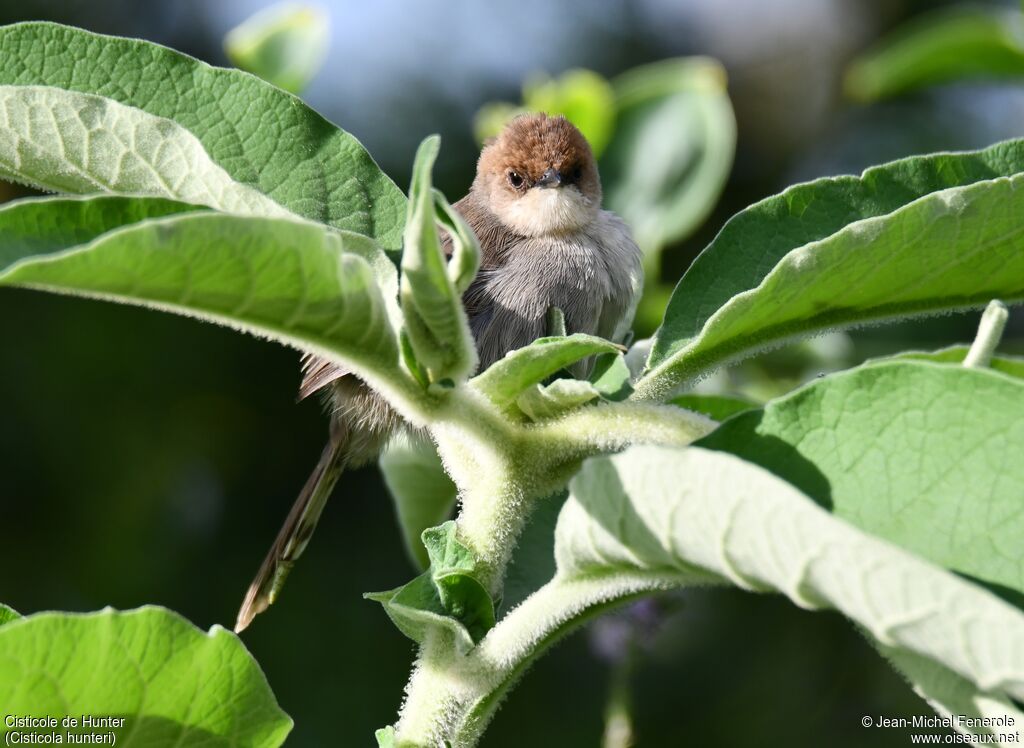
[{"x": 295, "y": 533}]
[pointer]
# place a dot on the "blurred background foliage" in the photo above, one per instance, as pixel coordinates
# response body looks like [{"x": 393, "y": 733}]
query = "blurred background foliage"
[{"x": 150, "y": 459}]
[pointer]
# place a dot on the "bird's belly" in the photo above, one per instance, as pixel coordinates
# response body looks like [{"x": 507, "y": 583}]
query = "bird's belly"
[{"x": 519, "y": 294}]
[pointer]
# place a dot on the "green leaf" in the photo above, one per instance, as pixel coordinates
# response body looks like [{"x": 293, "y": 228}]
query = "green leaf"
[
  {"x": 540, "y": 402},
  {"x": 38, "y": 226},
  {"x": 718, "y": 407},
  {"x": 585, "y": 98},
  {"x": 169, "y": 681},
  {"x": 953, "y": 696},
  {"x": 917, "y": 453},
  {"x": 611, "y": 377},
  {"x": 913, "y": 467},
  {"x": 452, "y": 568},
  {"x": 415, "y": 609},
  {"x": 654, "y": 517},
  {"x": 285, "y": 44},
  {"x": 672, "y": 151},
  {"x": 435, "y": 321},
  {"x": 947, "y": 45},
  {"x": 533, "y": 560},
  {"x": 259, "y": 135},
  {"x": 8, "y": 614},
  {"x": 520, "y": 369},
  {"x": 297, "y": 282},
  {"x": 954, "y": 354},
  {"x": 448, "y": 597},
  {"x": 835, "y": 252},
  {"x": 465, "y": 259},
  {"x": 423, "y": 493},
  {"x": 63, "y": 141}
]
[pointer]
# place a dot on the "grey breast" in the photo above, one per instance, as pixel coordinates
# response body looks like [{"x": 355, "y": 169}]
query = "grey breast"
[{"x": 582, "y": 274}]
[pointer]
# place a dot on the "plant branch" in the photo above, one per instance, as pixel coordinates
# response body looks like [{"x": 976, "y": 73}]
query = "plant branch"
[
  {"x": 550, "y": 613},
  {"x": 990, "y": 332},
  {"x": 500, "y": 468}
]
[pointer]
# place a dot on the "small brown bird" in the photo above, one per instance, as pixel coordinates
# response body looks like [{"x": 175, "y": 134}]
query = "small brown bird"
[{"x": 535, "y": 207}]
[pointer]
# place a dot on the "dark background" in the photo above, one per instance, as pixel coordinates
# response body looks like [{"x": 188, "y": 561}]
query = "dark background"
[{"x": 150, "y": 459}]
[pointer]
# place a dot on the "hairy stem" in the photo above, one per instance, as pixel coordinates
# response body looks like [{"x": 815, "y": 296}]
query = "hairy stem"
[
  {"x": 501, "y": 469},
  {"x": 990, "y": 332},
  {"x": 432, "y": 695}
]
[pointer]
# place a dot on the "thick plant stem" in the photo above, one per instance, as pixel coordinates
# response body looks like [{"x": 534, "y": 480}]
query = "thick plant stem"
[
  {"x": 432, "y": 696},
  {"x": 501, "y": 472},
  {"x": 477, "y": 447},
  {"x": 610, "y": 427},
  {"x": 501, "y": 468},
  {"x": 990, "y": 332}
]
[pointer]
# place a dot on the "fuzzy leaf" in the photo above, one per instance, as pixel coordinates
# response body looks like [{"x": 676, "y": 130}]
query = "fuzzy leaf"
[
  {"x": 39, "y": 226},
  {"x": 954, "y": 354},
  {"x": 562, "y": 395},
  {"x": 947, "y": 45},
  {"x": 520, "y": 369},
  {"x": 955, "y": 697},
  {"x": 423, "y": 493},
  {"x": 653, "y": 515},
  {"x": 284, "y": 44},
  {"x": 654, "y": 518},
  {"x": 260, "y": 136},
  {"x": 452, "y": 568},
  {"x": 465, "y": 259},
  {"x": 917, "y": 453},
  {"x": 672, "y": 151},
  {"x": 611, "y": 377},
  {"x": 447, "y": 596},
  {"x": 415, "y": 608},
  {"x": 169, "y": 681},
  {"x": 435, "y": 321},
  {"x": 63, "y": 141},
  {"x": 922, "y": 235},
  {"x": 297, "y": 282}
]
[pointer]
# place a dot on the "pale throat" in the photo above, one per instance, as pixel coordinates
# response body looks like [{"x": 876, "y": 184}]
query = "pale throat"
[{"x": 544, "y": 212}]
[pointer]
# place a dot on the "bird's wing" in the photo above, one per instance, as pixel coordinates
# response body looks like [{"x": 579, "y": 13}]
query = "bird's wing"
[
  {"x": 317, "y": 373},
  {"x": 618, "y": 311}
]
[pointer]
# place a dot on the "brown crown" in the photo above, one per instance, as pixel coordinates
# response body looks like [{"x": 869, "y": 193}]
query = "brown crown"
[{"x": 534, "y": 143}]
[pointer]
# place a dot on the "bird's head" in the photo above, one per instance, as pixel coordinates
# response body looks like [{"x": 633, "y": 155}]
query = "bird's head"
[{"x": 539, "y": 177}]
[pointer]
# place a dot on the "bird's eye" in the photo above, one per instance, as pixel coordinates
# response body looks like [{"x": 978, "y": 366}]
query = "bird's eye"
[
  {"x": 577, "y": 173},
  {"x": 515, "y": 179}
]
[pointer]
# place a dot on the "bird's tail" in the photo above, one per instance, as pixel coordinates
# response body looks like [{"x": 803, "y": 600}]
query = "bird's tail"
[{"x": 295, "y": 533}]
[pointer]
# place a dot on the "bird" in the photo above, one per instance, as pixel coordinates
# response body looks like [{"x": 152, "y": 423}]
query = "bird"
[{"x": 545, "y": 241}]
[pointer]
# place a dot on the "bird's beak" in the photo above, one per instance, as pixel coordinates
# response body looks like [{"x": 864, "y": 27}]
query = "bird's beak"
[{"x": 551, "y": 178}]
